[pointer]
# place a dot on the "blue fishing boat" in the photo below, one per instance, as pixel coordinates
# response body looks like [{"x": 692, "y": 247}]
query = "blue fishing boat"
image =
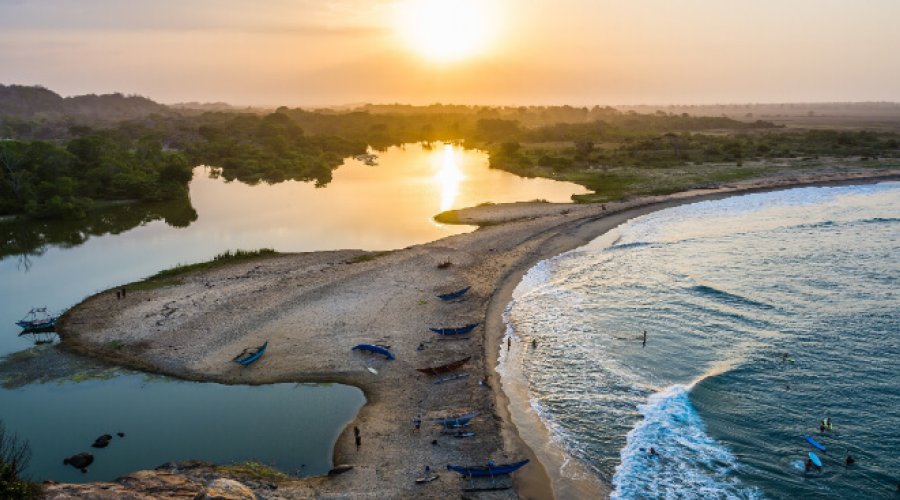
[
  {"x": 462, "y": 330},
  {"x": 376, "y": 349},
  {"x": 454, "y": 295},
  {"x": 459, "y": 421},
  {"x": 251, "y": 354},
  {"x": 37, "y": 319},
  {"x": 487, "y": 470}
]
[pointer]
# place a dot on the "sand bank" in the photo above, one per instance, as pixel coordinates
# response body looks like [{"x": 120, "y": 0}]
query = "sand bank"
[{"x": 313, "y": 307}]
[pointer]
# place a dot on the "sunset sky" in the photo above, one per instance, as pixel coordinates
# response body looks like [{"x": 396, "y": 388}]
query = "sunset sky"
[{"x": 580, "y": 52}]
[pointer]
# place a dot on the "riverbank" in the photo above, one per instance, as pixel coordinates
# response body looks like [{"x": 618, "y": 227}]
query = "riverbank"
[{"x": 313, "y": 307}]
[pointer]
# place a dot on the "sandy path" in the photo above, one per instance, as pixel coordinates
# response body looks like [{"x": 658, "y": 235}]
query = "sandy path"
[{"x": 313, "y": 307}]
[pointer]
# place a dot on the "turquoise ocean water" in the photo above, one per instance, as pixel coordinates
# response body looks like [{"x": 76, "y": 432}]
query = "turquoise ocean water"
[{"x": 724, "y": 290}]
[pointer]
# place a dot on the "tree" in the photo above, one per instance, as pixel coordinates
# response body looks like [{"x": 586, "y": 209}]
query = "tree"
[{"x": 14, "y": 458}]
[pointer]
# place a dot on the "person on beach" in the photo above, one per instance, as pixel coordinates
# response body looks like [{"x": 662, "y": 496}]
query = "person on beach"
[
  {"x": 534, "y": 343},
  {"x": 417, "y": 421},
  {"x": 358, "y": 442},
  {"x": 508, "y": 343}
]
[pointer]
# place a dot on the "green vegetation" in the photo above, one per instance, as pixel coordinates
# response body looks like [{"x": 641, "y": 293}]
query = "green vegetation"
[
  {"x": 447, "y": 217},
  {"x": 45, "y": 180},
  {"x": 61, "y": 157},
  {"x": 174, "y": 275},
  {"x": 14, "y": 458}
]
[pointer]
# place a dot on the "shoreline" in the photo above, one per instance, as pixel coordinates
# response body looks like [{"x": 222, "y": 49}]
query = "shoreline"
[{"x": 358, "y": 296}]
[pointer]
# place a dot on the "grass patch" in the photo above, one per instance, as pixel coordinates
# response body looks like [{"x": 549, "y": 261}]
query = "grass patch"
[
  {"x": 254, "y": 470},
  {"x": 174, "y": 275},
  {"x": 447, "y": 217}
]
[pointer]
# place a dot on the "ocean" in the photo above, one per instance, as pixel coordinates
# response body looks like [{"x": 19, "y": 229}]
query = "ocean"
[{"x": 764, "y": 314}]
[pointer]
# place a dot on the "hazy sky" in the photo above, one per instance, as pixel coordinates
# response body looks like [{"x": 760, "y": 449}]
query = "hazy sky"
[{"x": 316, "y": 52}]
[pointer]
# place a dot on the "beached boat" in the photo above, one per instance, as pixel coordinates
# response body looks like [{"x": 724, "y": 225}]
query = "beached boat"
[
  {"x": 250, "y": 355},
  {"x": 37, "y": 319},
  {"x": 487, "y": 470},
  {"x": 462, "y": 330},
  {"x": 449, "y": 367},
  {"x": 376, "y": 349},
  {"x": 454, "y": 295},
  {"x": 459, "y": 421}
]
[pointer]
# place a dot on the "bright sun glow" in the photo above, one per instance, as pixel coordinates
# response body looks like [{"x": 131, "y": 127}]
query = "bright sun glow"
[{"x": 447, "y": 30}]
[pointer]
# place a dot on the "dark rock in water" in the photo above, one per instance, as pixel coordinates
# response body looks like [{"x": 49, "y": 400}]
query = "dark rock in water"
[
  {"x": 102, "y": 441},
  {"x": 120, "y": 434},
  {"x": 340, "y": 469},
  {"x": 80, "y": 461}
]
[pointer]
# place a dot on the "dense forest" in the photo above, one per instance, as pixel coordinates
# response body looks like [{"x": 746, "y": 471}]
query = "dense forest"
[{"x": 61, "y": 157}]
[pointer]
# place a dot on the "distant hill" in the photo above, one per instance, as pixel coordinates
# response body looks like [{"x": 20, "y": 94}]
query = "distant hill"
[{"x": 38, "y": 102}]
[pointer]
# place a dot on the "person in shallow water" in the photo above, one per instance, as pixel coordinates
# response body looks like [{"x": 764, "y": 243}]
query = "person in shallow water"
[{"x": 849, "y": 460}]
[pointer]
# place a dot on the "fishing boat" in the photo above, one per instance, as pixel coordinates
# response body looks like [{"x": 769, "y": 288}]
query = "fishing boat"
[
  {"x": 462, "y": 330},
  {"x": 37, "y": 319},
  {"x": 250, "y": 355},
  {"x": 460, "y": 421},
  {"x": 454, "y": 295},
  {"x": 449, "y": 367},
  {"x": 375, "y": 349},
  {"x": 487, "y": 470}
]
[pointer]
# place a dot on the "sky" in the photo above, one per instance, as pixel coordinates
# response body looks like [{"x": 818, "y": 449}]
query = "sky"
[{"x": 491, "y": 52}]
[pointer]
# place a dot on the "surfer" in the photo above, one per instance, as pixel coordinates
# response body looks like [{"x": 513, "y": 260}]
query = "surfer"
[
  {"x": 809, "y": 465},
  {"x": 827, "y": 423},
  {"x": 849, "y": 460},
  {"x": 822, "y": 427}
]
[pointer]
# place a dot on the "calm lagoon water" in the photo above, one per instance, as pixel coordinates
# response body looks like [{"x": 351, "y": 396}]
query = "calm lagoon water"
[
  {"x": 381, "y": 207},
  {"x": 724, "y": 289}
]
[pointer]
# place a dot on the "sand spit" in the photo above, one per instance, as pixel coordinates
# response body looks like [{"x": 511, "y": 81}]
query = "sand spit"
[{"x": 313, "y": 307}]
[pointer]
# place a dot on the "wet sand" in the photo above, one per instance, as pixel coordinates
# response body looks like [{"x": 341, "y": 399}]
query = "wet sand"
[{"x": 313, "y": 307}]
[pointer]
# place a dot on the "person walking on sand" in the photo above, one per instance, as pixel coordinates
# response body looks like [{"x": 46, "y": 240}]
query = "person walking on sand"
[
  {"x": 358, "y": 442},
  {"x": 417, "y": 421},
  {"x": 508, "y": 343}
]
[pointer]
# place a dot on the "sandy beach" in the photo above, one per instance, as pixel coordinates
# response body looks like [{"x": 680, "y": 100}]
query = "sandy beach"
[{"x": 313, "y": 307}]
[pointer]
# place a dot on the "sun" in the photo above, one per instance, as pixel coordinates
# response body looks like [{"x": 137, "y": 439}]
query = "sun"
[{"x": 445, "y": 31}]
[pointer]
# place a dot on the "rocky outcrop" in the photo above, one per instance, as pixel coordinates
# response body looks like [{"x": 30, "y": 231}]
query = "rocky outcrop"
[
  {"x": 226, "y": 489},
  {"x": 189, "y": 482}
]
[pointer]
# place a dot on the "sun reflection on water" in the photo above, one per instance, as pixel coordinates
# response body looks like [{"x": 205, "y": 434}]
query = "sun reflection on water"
[{"x": 449, "y": 177}]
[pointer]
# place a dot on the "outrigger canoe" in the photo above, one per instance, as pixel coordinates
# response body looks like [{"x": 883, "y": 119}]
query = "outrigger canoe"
[
  {"x": 37, "y": 319},
  {"x": 376, "y": 349},
  {"x": 487, "y": 470},
  {"x": 460, "y": 421},
  {"x": 449, "y": 367},
  {"x": 454, "y": 295},
  {"x": 455, "y": 331},
  {"x": 251, "y": 355}
]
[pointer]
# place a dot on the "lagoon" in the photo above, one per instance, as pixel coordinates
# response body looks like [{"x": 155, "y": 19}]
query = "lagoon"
[{"x": 60, "y": 412}]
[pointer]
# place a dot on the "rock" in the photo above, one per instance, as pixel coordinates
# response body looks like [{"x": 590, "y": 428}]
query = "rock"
[
  {"x": 80, "y": 461},
  {"x": 120, "y": 434},
  {"x": 226, "y": 489},
  {"x": 102, "y": 441},
  {"x": 141, "y": 485}
]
